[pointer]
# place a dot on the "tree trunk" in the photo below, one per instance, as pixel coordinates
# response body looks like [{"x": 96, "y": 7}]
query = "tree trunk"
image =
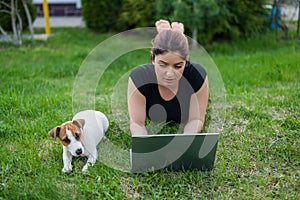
[
  {"x": 195, "y": 29},
  {"x": 29, "y": 20},
  {"x": 17, "y": 40},
  {"x": 195, "y": 36},
  {"x": 13, "y": 21}
]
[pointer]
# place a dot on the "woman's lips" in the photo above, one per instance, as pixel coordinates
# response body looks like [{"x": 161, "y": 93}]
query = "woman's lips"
[{"x": 169, "y": 80}]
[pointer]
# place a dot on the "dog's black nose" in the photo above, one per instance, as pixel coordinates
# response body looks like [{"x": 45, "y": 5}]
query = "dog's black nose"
[{"x": 78, "y": 151}]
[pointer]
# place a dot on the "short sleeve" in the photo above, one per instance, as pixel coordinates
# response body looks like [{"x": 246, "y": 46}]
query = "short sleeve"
[
  {"x": 195, "y": 74},
  {"x": 143, "y": 76}
]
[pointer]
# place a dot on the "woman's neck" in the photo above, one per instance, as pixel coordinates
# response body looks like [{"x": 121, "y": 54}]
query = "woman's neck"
[{"x": 167, "y": 93}]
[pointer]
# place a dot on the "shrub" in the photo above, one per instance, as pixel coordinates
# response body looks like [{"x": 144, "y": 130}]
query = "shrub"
[
  {"x": 215, "y": 19},
  {"x": 209, "y": 20},
  {"x": 164, "y": 9},
  {"x": 137, "y": 14},
  {"x": 101, "y": 16},
  {"x": 246, "y": 16}
]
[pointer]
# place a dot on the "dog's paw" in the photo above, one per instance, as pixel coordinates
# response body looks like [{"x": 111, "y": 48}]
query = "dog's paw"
[
  {"x": 67, "y": 170},
  {"x": 86, "y": 166}
]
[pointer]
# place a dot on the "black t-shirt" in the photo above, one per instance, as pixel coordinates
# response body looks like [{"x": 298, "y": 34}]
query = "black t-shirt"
[{"x": 177, "y": 109}]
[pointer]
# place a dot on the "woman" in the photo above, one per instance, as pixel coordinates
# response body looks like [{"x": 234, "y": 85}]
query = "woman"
[{"x": 170, "y": 88}]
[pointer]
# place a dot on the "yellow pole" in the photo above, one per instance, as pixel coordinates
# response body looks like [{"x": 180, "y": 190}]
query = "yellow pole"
[{"x": 46, "y": 17}]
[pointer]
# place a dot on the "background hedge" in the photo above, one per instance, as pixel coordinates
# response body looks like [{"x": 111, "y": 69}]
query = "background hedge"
[
  {"x": 102, "y": 16},
  {"x": 214, "y": 19}
]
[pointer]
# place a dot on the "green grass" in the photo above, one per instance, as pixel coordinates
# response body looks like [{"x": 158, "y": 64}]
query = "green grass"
[{"x": 258, "y": 153}]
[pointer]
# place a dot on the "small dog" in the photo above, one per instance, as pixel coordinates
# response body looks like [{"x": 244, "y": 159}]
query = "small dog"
[{"x": 80, "y": 137}]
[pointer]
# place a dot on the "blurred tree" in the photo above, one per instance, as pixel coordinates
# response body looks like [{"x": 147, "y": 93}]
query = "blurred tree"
[
  {"x": 101, "y": 16},
  {"x": 207, "y": 20},
  {"x": 202, "y": 19},
  {"x": 246, "y": 16},
  {"x": 164, "y": 9},
  {"x": 136, "y": 13}
]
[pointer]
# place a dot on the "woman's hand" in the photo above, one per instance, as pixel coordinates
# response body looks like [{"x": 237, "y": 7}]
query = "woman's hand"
[
  {"x": 162, "y": 25},
  {"x": 177, "y": 26},
  {"x": 165, "y": 25}
]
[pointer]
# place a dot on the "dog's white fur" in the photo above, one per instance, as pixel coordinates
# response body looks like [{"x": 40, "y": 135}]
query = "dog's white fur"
[{"x": 94, "y": 125}]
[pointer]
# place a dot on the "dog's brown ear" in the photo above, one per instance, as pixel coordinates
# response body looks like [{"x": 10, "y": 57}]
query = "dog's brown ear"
[
  {"x": 79, "y": 122},
  {"x": 54, "y": 132}
]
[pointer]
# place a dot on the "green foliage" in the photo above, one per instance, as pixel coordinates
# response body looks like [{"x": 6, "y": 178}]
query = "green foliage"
[
  {"x": 117, "y": 15},
  {"x": 136, "y": 14},
  {"x": 247, "y": 17},
  {"x": 164, "y": 9},
  {"x": 101, "y": 16},
  {"x": 5, "y": 18},
  {"x": 211, "y": 19},
  {"x": 205, "y": 17},
  {"x": 215, "y": 19}
]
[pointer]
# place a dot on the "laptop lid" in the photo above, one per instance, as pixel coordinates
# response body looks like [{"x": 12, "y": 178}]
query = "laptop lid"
[{"x": 173, "y": 151}]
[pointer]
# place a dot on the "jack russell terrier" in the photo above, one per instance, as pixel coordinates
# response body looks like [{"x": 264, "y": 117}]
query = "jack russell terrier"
[{"x": 80, "y": 137}]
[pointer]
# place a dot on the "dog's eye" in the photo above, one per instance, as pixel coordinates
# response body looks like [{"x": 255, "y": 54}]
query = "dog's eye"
[
  {"x": 66, "y": 140},
  {"x": 77, "y": 136}
]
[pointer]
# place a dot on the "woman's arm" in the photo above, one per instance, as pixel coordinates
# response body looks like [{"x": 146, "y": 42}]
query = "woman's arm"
[
  {"x": 137, "y": 110},
  {"x": 197, "y": 111}
]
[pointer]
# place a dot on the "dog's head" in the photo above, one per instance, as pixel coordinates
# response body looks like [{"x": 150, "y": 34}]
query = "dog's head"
[{"x": 70, "y": 135}]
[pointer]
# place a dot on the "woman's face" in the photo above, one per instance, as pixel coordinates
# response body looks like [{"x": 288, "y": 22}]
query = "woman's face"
[{"x": 168, "y": 68}]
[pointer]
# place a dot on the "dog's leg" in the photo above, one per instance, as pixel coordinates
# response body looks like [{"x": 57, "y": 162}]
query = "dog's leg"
[
  {"x": 92, "y": 157},
  {"x": 67, "y": 159}
]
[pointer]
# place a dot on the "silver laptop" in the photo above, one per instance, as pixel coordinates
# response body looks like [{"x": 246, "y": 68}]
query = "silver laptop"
[{"x": 173, "y": 151}]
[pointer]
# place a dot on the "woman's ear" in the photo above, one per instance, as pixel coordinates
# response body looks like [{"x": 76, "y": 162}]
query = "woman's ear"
[{"x": 152, "y": 58}]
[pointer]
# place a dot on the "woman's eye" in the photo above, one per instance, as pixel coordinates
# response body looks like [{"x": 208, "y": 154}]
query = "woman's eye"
[
  {"x": 162, "y": 65},
  {"x": 178, "y": 66}
]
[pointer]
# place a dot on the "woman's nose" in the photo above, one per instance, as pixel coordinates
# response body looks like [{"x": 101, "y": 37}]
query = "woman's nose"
[{"x": 170, "y": 72}]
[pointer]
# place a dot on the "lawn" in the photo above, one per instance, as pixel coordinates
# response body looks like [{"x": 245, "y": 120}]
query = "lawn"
[{"x": 258, "y": 153}]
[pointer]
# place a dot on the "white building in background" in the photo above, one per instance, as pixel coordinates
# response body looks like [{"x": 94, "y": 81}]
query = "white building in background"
[{"x": 59, "y": 7}]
